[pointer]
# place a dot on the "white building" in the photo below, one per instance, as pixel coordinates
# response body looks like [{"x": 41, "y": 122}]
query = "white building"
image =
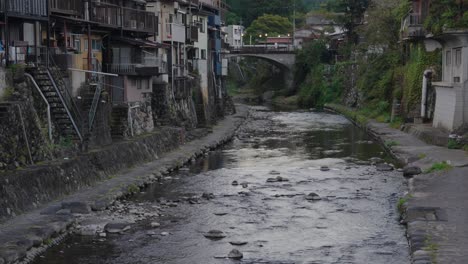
[
  {"x": 451, "y": 109},
  {"x": 234, "y": 36}
]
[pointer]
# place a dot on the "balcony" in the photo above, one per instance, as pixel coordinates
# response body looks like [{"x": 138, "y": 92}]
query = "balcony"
[
  {"x": 139, "y": 20},
  {"x": 108, "y": 15},
  {"x": 175, "y": 32},
  {"x": 147, "y": 66},
  {"x": 27, "y": 9},
  {"x": 68, "y": 7},
  {"x": 412, "y": 27}
]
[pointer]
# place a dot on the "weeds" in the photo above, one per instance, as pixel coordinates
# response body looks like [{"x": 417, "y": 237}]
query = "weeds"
[
  {"x": 432, "y": 248},
  {"x": 391, "y": 143},
  {"x": 454, "y": 144},
  {"x": 422, "y": 155},
  {"x": 132, "y": 188},
  {"x": 439, "y": 166}
]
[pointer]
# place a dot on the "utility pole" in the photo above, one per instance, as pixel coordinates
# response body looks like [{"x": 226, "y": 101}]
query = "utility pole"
[{"x": 6, "y": 44}]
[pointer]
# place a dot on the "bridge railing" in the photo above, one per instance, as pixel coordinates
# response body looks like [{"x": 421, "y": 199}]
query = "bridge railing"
[{"x": 261, "y": 49}]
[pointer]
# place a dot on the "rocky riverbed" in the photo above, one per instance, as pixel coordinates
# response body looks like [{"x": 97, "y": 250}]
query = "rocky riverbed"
[{"x": 293, "y": 187}]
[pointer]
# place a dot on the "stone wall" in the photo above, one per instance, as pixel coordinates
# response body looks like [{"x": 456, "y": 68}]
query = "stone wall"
[
  {"x": 3, "y": 84},
  {"x": 174, "y": 107},
  {"x": 142, "y": 118},
  {"x": 24, "y": 130},
  {"x": 27, "y": 189}
]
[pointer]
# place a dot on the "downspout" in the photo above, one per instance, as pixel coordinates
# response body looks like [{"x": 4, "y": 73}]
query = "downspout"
[
  {"x": 49, "y": 119},
  {"x": 426, "y": 77}
]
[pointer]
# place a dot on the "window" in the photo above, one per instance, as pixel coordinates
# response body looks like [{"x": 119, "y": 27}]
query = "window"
[
  {"x": 202, "y": 25},
  {"x": 203, "y": 54},
  {"x": 458, "y": 57},
  {"x": 448, "y": 58},
  {"x": 96, "y": 44},
  {"x": 236, "y": 31}
]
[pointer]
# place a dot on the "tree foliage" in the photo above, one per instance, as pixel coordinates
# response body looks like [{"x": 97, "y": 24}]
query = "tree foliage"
[
  {"x": 272, "y": 25},
  {"x": 445, "y": 14}
]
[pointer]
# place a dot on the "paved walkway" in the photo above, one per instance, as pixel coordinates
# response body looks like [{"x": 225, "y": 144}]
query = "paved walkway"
[
  {"x": 437, "y": 210},
  {"x": 27, "y": 235}
]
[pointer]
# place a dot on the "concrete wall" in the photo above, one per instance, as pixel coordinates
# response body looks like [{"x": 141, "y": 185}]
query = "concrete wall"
[
  {"x": 446, "y": 108},
  {"x": 138, "y": 88},
  {"x": 27, "y": 189}
]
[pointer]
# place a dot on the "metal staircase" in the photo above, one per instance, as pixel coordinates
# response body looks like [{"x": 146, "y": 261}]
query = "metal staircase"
[{"x": 64, "y": 111}]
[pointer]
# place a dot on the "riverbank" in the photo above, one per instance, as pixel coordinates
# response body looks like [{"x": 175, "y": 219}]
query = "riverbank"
[
  {"x": 436, "y": 211},
  {"x": 23, "y": 237}
]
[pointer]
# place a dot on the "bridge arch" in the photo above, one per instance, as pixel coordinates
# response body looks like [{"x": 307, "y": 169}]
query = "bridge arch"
[{"x": 283, "y": 60}]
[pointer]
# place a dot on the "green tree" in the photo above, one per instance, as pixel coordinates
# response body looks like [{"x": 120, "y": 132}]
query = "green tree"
[
  {"x": 447, "y": 14},
  {"x": 250, "y": 10},
  {"x": 272, "y": 25}
]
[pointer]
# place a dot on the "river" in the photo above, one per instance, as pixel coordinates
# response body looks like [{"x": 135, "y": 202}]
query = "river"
[{"x": 356, "y": 220}]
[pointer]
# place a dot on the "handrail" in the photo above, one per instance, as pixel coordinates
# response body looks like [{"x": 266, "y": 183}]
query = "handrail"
[
  {"x": 49, "y": 118},
  {"x": 69, "y": 97},
  {"x": 65, "y": 105}
]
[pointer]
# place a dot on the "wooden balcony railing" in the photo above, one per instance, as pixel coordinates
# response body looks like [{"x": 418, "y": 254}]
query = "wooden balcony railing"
[
  {"x": 36, "y": 9},
  {"x": 106, "y": 14},
  {"x": 71, "y": 7},
  {"x": 138, "y": 20}
]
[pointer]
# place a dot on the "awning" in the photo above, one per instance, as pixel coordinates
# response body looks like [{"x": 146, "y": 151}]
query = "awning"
[{"x": 142, "y": 43}]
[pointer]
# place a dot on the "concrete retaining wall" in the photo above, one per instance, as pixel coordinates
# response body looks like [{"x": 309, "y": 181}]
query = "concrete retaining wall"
[{"x": 27, "y": 189}]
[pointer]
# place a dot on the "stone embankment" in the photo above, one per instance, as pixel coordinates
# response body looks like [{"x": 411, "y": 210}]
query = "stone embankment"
[
  {"x": 435, "y": 210},
  {"x": 43, "y": 203}
]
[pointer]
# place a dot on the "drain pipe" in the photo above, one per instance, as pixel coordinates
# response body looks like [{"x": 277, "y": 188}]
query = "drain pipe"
[
  {"x": 426, "y": 77},
  {"x": 49, "y": 119},
  {"x": 130, "y": 119}
]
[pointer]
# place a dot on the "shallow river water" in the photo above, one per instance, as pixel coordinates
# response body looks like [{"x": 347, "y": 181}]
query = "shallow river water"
[{"x": 355, "y": 222}]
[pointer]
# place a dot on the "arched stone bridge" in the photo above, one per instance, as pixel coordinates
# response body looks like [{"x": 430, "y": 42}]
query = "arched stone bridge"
[{"x": 283, "y": 57}]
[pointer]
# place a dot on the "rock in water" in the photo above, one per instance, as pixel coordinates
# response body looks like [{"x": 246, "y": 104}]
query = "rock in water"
[
  {"x": 244, "y": 185},
  {"x": 235, "y": 254},
  {"x": 155, "y": 225},
  {"x": 208, "y": 196},
  {"x": 272, "y": 180},
  {"x": 215, "y": 234},
  {"x": 411, "y": 171},
  {"x": 324, "y": 168},
  {"x": 238, "y": 243},
  {"x": 384, "y": 167},
  {"x": 313, "y": 197},
  {"x": 115, "y": 228},
  {"x": 235, "y": 183}
]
